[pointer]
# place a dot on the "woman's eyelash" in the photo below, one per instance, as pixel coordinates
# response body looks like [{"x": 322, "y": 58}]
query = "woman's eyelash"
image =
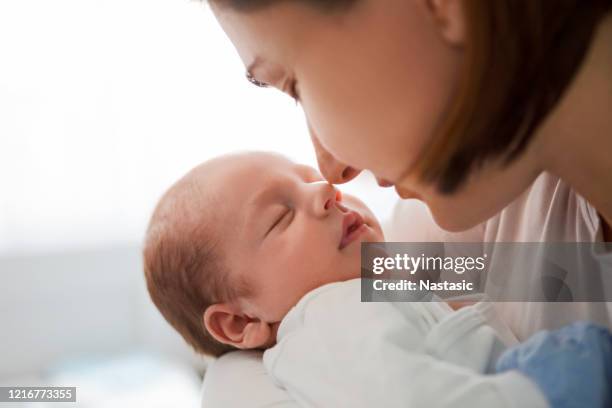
[{"x": 291, "y": 89}]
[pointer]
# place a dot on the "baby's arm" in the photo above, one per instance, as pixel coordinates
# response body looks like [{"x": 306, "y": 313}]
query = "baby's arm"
[
  {"x": 572, "y": 365},
  {"x": 361, "y": 357},
  {"x": 394, "y": 378}
]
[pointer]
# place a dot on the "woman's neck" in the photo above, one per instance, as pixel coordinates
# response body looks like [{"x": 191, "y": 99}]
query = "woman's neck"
[{"x": 575, "y": 141}]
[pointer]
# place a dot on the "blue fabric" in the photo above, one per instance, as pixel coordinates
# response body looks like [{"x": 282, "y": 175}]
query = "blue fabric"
[{"x": 572, "y": 366}]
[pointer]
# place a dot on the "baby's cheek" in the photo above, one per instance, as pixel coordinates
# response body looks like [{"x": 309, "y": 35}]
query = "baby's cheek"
[{"x": 354, "y": 203}]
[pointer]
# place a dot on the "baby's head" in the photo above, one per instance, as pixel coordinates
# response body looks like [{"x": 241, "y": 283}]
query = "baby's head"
[{"x": 235, "y": 243}]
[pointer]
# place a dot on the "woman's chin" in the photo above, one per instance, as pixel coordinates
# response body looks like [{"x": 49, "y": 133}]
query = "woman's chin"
[{"x": 454, "y": 221}]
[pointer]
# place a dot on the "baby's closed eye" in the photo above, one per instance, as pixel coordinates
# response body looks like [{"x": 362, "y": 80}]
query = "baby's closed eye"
[{"x": 281, "y": 219}]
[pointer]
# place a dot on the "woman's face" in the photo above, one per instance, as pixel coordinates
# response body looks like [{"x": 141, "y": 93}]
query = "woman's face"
[{"x": 374, "y": 82}]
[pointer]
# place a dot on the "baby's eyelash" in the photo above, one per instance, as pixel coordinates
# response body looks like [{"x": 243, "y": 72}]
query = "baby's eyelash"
[
  {"x": 281, "y": 219},
  {"x": 277, "y": 221},
  {"x": 291, "y": 214}
]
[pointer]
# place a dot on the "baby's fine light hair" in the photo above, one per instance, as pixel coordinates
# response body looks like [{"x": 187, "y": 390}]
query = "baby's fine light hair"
[{"x": 183, "y": 262}]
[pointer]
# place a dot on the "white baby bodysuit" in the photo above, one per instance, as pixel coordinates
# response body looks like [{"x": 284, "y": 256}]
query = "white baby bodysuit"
[{"x": 335, "y": 351}]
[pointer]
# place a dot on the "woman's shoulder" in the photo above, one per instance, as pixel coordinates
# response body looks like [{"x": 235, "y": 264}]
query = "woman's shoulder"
[{"x": 550, "y": 210}]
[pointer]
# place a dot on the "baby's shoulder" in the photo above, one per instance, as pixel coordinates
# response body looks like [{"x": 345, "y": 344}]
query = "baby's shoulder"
[{"x": 339, "y": 308}]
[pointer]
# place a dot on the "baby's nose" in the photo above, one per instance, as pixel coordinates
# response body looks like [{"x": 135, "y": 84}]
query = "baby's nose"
[
  {"x": 324, "y": 199},
  {"x": 334, "y": 200}
]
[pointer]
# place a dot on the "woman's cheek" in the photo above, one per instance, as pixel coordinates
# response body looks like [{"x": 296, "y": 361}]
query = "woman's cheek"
[
  {"x": 345, "y": 129},
  {"x": 338, "y": 125}
]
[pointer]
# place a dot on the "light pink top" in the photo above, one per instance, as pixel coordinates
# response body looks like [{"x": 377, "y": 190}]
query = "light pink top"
[{"x": 549, "y": 211}]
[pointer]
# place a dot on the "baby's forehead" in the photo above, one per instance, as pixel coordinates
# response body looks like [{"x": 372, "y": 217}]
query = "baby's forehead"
[
  {"x": 264, "y": 162},
  {"x": 261, "y": 167},
  {"x": 237, "y": 178},
  {"x": 235, "y": 184}
]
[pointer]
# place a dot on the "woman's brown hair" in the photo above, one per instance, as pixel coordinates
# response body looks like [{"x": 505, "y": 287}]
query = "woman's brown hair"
[{"x": 521, "y": 55}]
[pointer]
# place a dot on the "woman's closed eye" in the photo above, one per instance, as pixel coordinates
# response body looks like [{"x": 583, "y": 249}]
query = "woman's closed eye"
[{"x": 289, "y": 86}]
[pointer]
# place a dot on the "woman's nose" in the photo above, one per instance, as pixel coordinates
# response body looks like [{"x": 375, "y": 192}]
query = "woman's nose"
[{"x": 333, "y": 170}]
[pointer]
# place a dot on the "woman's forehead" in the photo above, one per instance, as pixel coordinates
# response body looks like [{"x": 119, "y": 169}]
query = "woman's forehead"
[{"x": 269, "y": 35}]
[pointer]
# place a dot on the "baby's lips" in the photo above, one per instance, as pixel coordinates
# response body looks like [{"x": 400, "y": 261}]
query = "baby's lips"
[{"x": 351, "y": 222}]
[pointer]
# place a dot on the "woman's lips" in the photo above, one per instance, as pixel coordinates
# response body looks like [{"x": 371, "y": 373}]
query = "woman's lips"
[
  {"x": 353, "y": 225},
  {"x": 384, "y": 182}
]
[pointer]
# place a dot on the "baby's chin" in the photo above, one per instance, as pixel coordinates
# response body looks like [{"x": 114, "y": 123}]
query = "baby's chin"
[{"x": 352, "y": 261}]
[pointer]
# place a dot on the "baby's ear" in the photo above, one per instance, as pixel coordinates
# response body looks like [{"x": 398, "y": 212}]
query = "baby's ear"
[{"x": 228, "y": 325}]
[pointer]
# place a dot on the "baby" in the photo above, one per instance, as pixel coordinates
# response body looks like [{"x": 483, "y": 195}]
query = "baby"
[
  {"x": 253, "y": 251},
  {"x": 240, "y": 239}
]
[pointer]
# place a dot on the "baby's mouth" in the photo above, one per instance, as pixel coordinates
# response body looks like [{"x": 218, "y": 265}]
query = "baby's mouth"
[{"x": 352, "y": 225}]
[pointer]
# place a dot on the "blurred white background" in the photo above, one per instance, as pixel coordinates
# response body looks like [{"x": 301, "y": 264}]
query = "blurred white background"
[{"x": 103, "y": 104}]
